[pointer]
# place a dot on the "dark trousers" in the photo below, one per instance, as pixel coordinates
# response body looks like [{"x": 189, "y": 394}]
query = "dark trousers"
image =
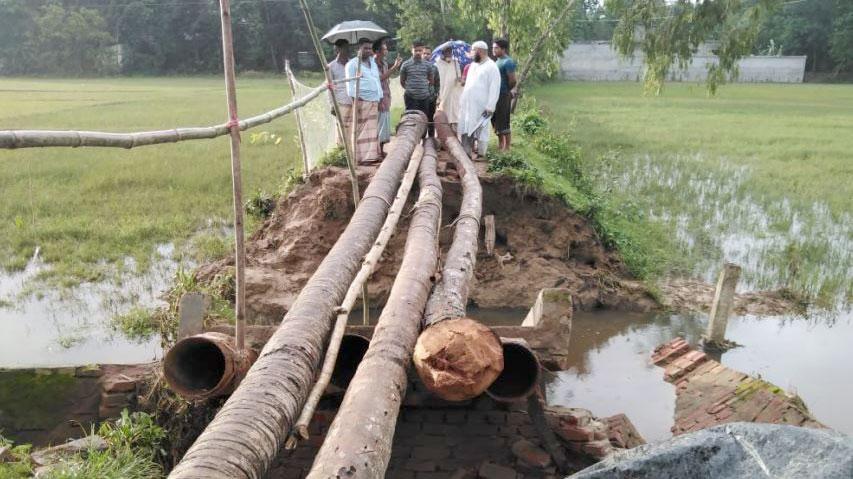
[{"x": 426, "y": 105}]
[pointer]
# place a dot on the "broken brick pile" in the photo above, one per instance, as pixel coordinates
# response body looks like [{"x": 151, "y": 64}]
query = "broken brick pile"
[{"x": 708, "y": 393}]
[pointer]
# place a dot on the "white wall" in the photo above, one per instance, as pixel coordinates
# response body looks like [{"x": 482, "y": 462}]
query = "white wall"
[{"x": 596, "y": 61}]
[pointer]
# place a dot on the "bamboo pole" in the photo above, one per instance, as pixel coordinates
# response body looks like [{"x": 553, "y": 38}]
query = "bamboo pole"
[
  {"x": 312, "y": 30},
  {"x": 236, "y": 176},
  {"x": 358, "y": 444},
  {"x": 365, "y": 306},
  {"x": 11, "y": 139},
  {"x": 299, "y": 125},
  {"x": 300, "y": 429},
  {"x": 249, "y": 430}
]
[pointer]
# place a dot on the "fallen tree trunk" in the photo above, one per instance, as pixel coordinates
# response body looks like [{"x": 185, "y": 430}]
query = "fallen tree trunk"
[
  {"x": 458, "y": 358},
  {"x": 247, "y": 433},
  {"x": 358, "y": 444}
]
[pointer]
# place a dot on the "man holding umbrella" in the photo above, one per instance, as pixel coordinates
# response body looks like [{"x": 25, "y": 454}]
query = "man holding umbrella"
[
  {"x": 366, "y": 101},
  {"x": 450, "y": 75}
]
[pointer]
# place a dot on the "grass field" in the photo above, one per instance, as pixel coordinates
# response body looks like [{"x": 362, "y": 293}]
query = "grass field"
[
  {"x": 88, "y": 209},
  {"x": 761, "y": 174}
]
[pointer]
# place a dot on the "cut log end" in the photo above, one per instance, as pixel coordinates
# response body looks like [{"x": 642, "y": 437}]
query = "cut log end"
[{"x": 458, "y": 359}]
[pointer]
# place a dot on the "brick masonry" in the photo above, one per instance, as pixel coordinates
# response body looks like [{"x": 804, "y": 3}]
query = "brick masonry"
[
  {"x": 708, "y": 393},
  {"x": 436, "y": 442},
  {"x": 54, "y": 404}
]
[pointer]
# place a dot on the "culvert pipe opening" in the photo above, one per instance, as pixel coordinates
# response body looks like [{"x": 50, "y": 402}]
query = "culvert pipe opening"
[
  {"x": 352, "y": 351},
  {"x": 520, "y": 375},
  {"x": 204, "y": 366}
]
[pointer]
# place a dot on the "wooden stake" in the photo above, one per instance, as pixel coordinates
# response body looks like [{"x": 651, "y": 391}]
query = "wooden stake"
[
  {"x": 722, "y": 306},
  {"x": 489, "y": 221},
  {"x": 236, "y": 175},
  {"x": 299, "y": 125}
]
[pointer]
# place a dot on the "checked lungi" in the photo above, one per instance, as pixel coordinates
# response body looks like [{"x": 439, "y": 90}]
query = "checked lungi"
[{"x": 367, "y": 132}]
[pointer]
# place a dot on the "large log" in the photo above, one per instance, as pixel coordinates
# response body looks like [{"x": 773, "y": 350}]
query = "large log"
[
  {"x": 358, "y": 444},
  {"x": 247, "y": 433},
  {"x": 458, "y": 358}
]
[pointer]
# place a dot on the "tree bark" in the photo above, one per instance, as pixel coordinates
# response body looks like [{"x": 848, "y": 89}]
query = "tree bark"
[
  {"x": 247, "y": 433},
  {"x": 458, "y": 358},
  {"x": 358, "y": 444},
  {"x": 450, "y": 297}
]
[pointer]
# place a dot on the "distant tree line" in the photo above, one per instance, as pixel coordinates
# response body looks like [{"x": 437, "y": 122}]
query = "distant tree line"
[{"x": 156, "y": 37}]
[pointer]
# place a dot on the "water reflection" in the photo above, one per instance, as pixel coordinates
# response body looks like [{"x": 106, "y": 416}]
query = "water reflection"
[
  {"x": 611, "y": 371},
  {"x": 717, "y": 217},
  {"x": 71, "y": 328}
]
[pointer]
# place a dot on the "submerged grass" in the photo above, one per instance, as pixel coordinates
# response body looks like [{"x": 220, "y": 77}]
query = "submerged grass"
[
  {"x": 759, "y": 175},
  {"x": 88, "y": 209},
  {"x": 549, "y": 162}
]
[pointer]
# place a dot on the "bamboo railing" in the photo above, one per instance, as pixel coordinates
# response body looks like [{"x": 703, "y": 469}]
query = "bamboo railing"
[{"x": 11, "y": 139}]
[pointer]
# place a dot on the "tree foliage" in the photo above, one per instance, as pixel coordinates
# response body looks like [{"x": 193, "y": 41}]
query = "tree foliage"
[
  {"x": 524, "y": 22},
  {"x": 669, "y": 33}
]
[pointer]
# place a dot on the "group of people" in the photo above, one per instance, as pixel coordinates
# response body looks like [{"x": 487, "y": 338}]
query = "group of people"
[{"x": 470, "y": 97}]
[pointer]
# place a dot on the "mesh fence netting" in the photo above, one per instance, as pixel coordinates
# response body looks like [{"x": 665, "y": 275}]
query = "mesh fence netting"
[{"x": 318, "y": 124}]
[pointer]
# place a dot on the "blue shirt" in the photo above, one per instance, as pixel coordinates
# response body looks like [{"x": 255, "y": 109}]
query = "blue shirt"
[
  {"x": 370, "y": 87},
  {"x": 506, "y": 65}
]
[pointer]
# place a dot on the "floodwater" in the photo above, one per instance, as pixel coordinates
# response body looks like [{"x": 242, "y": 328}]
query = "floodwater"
[
  {"x": 611, "y": 371},
  {"x": 72, "y": 327}
]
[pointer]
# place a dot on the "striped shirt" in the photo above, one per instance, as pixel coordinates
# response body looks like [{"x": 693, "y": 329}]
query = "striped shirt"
[{"x": 416, "y": 75}]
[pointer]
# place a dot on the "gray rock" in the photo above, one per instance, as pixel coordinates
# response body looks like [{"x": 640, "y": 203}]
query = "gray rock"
[
  {"x": 53, "y": 454},
  {"x": 735, "y": 450}
]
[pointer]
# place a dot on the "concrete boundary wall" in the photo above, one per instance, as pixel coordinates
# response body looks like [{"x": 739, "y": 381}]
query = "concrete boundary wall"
[{"x": 596, "y": 61}]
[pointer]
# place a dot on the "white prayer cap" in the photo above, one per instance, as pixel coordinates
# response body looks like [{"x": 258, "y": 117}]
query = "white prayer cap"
[{"x": 479, "y": 44}]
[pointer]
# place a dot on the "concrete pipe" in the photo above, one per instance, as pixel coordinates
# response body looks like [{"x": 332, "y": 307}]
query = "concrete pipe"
[
  {"x": 206, "y": 365},
  {"x": 520, "y": 374},
  {"x": 352, "y": 351}
]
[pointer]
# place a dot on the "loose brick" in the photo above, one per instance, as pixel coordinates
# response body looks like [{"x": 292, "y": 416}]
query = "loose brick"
[
  {"x": 531, "y": 454},
  {"x": 575, "y": 433},
  {"x": 431, "y": 452},
  {"x": 419, "y": 465},
  {"x": 115, "y": 399},
  {"x": 490, "y": 470},
  {"x": 119, "y": 384}
]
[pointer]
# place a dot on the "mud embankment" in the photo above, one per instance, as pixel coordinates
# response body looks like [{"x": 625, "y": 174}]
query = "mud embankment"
[{"x": 539, "y": 243}]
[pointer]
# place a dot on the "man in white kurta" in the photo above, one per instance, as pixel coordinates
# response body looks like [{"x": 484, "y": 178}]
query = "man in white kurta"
[
  {"x": 450, "y": 76},
  {"x": 477, "y": 103}
]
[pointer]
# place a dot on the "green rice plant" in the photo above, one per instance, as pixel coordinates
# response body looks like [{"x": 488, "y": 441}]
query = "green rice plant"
[{"x": 137, "y": 324}]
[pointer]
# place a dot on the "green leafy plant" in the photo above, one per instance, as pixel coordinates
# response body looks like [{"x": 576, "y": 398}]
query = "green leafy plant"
[
  {"x": 337, "y": 156},
  {"x": 138, "y": 323},
  {"x": 261, "y": 204}
]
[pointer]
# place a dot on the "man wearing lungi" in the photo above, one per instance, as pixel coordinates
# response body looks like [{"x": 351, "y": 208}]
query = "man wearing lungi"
[
  {"x": 380, "y": 49},
  {"x": 366, "y": 103}
]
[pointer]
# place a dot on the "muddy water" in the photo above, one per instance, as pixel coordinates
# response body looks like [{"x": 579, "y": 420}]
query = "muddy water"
[
  {"x": 611, "y": 372},
  {"x": 72, "y": 327}
]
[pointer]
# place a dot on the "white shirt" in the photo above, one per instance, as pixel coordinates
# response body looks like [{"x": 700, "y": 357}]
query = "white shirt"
[{"x": 481, "y": 91}]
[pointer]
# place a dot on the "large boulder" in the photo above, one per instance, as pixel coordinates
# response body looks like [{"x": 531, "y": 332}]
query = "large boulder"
[{"x": 735, "y": 450}]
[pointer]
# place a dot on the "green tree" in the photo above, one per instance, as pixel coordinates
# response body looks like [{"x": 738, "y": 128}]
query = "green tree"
[
  {"x": 800, "y": 28},
  {"x": 538, "y": 30},
  {"x": 841, "y": 40},
  {"x": 669, "y": 33},
  {"x": 71, "y": 42}
]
